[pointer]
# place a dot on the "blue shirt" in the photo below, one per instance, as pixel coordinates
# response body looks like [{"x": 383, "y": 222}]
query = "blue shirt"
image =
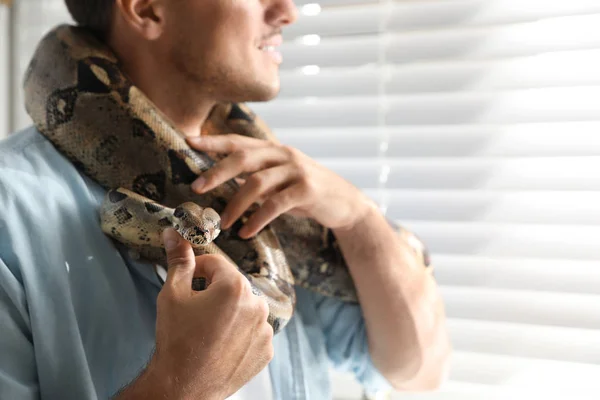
[{"x": 77, "y": 315}]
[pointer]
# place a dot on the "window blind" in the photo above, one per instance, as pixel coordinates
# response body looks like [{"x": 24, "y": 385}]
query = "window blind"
[{"x": 475, "y": 123}]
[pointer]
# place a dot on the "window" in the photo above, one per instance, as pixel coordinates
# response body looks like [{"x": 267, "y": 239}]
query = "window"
[{"x": 476, "y": 123}]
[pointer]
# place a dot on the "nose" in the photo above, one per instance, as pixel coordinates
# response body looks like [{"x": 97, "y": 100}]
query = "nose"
[{"x": 281, "y": 12}]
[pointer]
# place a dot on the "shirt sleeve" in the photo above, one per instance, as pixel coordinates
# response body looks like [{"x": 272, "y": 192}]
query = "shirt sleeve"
[
  {"x": 345, "y": 334},
  {"x": 18, "y": 376}
]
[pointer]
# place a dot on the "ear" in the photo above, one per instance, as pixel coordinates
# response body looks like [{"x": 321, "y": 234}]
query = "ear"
[{"x": 145, "y": 17}]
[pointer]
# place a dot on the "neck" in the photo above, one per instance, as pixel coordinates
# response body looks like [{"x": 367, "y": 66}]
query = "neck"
[
  {"x": 169, "y": 90},
  {"x": 173, "y": 98}
]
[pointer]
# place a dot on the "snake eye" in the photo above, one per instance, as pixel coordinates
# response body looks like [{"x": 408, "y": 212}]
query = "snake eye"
[{"x": 179, "y": 212}]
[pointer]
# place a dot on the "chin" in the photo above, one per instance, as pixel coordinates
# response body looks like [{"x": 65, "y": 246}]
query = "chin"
[
  {"x": 271, "y": 94},
  {"x": 262, "y": 91}
]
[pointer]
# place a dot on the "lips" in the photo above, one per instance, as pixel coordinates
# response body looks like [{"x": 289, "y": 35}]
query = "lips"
[
  {"x": 269, "y": 47},
  {"x": 271, "y": 43}
]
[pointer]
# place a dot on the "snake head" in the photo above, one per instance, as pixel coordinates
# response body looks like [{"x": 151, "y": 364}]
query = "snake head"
[{"x": 198, "y": 225}]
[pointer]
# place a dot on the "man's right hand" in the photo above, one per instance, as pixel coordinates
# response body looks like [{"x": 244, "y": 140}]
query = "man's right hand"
[{"x": 209, "y": 343}]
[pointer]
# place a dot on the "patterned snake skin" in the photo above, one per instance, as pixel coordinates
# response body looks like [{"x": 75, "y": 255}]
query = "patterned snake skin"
[{"x": 79, "y": 99}]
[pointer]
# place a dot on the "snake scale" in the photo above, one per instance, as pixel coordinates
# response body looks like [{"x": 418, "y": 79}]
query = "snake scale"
[{"x": 79, "y": 99}]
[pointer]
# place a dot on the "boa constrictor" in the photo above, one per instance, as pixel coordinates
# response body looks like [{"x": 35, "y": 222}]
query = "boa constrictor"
[{"x": 80, "y": 100}]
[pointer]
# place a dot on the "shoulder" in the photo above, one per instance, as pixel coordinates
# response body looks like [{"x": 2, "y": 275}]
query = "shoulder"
[
  {"x": 32, "y": 173},
  {"x": 21, "y": 171},
  {"x": 20, "y": 191},
  {"x": 39, "y": 190},
  {"x": 16, "y": 144},
  {"x": 27, "y": 155},
  {"x": 36, "y": 177}
]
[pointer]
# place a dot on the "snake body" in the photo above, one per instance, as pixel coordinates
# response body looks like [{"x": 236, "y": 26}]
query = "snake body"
[
  {"x": 136, "y": 221},
  {"x": 79, "y": 99}
]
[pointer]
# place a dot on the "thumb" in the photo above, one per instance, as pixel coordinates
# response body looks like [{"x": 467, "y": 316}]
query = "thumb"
[{"x": 181, "y": 261}]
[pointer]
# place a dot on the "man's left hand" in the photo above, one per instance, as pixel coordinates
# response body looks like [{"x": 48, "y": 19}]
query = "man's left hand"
[{"x": 282, "y": 179}]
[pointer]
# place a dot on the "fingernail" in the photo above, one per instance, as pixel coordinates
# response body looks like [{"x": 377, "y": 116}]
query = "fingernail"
[
  {"x": 194, "y": 139},
  {"x": 198, "y": 184},
  {"x": 224, "y": 220},
  {"x": 170, "y": 238}
]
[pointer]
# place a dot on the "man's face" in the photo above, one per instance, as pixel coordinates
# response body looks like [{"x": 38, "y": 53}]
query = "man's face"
[{"x": 227, "y": 47}]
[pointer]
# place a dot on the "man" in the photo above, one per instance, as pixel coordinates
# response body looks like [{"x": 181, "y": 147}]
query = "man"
[{"x": 81, "y": 319}]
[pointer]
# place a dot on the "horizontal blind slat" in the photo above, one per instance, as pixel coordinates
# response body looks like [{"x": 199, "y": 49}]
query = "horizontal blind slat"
[
  {"x": 508, "y": 107},
  {"x": 537, "y": 377},
  {"x": 526, "y": 340},
  {"x": 555, "y": 69},
  {"x": 543, "y": 207},
  {"x": 546, "y": 35},
  {"x": 509, "y": 272},
  {"x": 502, "y": 140},
  {"x": 372, "y": 17},
  {"x": 517, "y": 240},
  {"x": 525, "y": 307},
  {"x": 557, "y": 173}
]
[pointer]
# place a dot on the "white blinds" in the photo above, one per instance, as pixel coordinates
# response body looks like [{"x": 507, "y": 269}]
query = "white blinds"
[{"x": 476, "y": 123}]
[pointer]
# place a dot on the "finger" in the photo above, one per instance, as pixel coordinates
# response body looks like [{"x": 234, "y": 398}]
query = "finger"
[
  {"x": 214, "y": 268},
  {"x": 244, "y": 161},
  {"x": 276, "y": 205},
  {"x": 225, "y": 143},
  {"x": 181, "y": 262},
  {"x": 183, "y": 265},
  {"x": 257, "y": 186}
]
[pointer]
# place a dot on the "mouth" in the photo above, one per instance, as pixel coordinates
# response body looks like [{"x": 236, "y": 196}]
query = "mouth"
[
  {"x": 271, "y": 47},
  {"x": 267, "y": 48},
  {"x": 272, "y": 40}
]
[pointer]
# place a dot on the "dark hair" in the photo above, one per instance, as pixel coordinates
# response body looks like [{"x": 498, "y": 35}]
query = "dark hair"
[{"x": 93, "y": 14}]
